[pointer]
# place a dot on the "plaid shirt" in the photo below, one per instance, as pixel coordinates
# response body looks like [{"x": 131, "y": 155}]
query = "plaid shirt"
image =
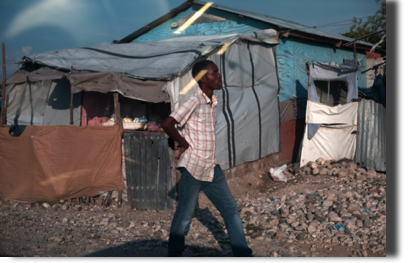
[{"x": 198, "y": 113}]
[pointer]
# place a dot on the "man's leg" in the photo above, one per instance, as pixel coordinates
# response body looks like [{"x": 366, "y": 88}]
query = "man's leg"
[
  {"x": 188, "y": 197},
  {"x": 220, "y": 195}
]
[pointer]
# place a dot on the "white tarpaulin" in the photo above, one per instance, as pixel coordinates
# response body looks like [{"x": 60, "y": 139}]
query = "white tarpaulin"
[
  {"x": 331, "y": 142},
  {"x": 320, "y": 113},
  {"x": 334, "y": 139}
]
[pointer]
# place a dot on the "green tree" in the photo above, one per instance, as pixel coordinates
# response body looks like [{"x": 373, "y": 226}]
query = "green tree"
[{"x": 373, "y": 24}]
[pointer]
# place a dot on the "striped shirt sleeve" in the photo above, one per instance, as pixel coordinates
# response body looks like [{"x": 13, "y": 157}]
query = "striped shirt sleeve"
[{"x": 183, "y": 112}]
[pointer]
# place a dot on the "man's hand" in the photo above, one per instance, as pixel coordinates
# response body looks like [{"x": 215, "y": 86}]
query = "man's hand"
[
  {"x": 169, "y": 126},
  {"x": 181, "y": 151}
]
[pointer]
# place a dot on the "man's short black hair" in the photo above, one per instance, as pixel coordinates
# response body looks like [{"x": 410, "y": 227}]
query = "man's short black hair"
[{"x": 199, "y": 66}]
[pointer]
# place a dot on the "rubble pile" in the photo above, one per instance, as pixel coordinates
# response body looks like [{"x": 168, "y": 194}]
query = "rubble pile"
[
  {"x": 350, "y": 212},
  {"x": 333, "y": 204}
]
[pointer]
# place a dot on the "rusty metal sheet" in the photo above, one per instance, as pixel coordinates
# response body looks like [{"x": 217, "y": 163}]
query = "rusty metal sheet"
[{"x": 148, "y": 170}]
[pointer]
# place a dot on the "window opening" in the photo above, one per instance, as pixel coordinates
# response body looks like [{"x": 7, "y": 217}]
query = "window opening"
[{"x": 332, "y": 92}]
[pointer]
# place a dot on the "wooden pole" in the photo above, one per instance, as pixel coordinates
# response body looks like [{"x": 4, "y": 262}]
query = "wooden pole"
[
  {"x": 120, "y": 199},
  {"x": 3, "y": 94},
  {"x": 117, "y": 117},
  {"x": 130, "y": 197},
  {"x": 109, "y": 197},
  {"x": 71, "y": 106}
]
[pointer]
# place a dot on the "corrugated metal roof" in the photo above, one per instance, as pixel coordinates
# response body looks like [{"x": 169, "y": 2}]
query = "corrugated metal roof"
[
  {"x": 282, "y": 23},
  {"x": 371, "y": 137}
]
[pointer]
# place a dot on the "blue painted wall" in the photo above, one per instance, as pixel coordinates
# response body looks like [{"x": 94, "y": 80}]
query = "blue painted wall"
[{"x": 291, "y": 55}]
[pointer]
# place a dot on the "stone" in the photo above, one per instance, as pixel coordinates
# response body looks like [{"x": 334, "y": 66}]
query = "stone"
[
  {"x": 361, "y": 170},
  {"x": 320, "y": 219},
  {"x": 320, "y": 161},
  {"x": 310, "y": 217},
  {"x": 323, "y": 171},
  {"x": 353, "y": 207},
  {"x": 335, "y": 219},
  {"x": 314, "y": 224},
  {"x": 64, "y": 207},
  {"x": 301, "y": 236},
  {"x": 291, "y": 203},
  {"x": 315, "y": 171},
  {"x": 285, "y": 210},
  {"x": 280, "y": 234},
  {"x": 332, "y": 214},
  {"x": 349, "y": 224},
  {"x": 311, "y": 229},
  {"x": 313, "y": 165},
  {"x": 52, "y": 245},
  {"x": 342, "y": 173},
  {"x": 310, "y": 198},
  {"x": 276, "y": 213},
  {"x": 46, "y": 205},
  {"x": 327, "y": 203},
  {"x": 367, "y": 223},
  {"x": 371, "y": 172},
  {"x": 64, "y": 220},
  {"x": 352, "y": 165},
  {"x": 331, "y": 196},
  {"x": 274, "y": 222},
  {"x": 104, "y": 221}
]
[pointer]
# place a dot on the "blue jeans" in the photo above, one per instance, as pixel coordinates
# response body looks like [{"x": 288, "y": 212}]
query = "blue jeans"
[{"x": 220, "y": 195}]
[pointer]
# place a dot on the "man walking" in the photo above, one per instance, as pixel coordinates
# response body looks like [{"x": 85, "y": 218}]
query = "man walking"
[{"x": 199, "y": 169}]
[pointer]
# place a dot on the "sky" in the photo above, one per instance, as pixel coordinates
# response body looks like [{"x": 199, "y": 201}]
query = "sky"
[{"x": 36, "y": 26}]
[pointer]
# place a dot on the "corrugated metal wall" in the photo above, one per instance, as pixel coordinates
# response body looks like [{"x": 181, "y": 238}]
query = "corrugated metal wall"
[
  {"x": 371, "y": 138},
  {"x": 148, "y": 170}
]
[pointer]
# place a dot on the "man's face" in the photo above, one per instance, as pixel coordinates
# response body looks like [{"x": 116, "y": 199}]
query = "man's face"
[{"x": 212, "y": 79}]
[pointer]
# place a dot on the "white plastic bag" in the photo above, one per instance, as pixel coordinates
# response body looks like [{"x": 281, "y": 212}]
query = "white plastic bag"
[{"x": 277, "y": 173}]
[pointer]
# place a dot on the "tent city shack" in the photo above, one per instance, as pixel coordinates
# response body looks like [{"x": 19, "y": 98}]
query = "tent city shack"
[
  {"x": 260, "y": 115},
  {"x": 145, "y": 76}
]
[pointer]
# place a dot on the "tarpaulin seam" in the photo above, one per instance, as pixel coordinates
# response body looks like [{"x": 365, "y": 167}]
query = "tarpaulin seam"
[
  {"x": 140, "y": 57},
  {"x": 277, "y": 97},
  {"x": 255, "y": 95},
  {"x": 232, "y": 126},
  {"x": 231, "y": 116},
  {"x": 223, "y": 110}
]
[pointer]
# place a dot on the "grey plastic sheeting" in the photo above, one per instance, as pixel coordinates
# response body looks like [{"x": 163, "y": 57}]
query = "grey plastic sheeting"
[
  {"x": 247, "y": 126},
  {"x": 161, "y": 60},
  {"x": 371, "y": 138},
  {"x": 42, "y": 103}
]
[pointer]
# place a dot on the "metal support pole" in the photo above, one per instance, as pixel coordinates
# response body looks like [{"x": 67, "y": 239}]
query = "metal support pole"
[
  {"x": 71, "y": 106},
  {"x": 355, "y": 52},
  {"x": 3, "y": 117}
]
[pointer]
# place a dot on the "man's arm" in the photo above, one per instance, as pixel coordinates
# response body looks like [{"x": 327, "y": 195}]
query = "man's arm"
[{"x": 169, "y": 126}]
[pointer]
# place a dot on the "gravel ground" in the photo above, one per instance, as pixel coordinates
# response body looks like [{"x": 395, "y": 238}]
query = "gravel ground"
[{"x": 326, "y": 208}]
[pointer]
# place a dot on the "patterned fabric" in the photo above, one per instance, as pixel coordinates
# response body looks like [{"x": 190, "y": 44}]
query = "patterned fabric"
[{"x": 196, "y": 117}]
